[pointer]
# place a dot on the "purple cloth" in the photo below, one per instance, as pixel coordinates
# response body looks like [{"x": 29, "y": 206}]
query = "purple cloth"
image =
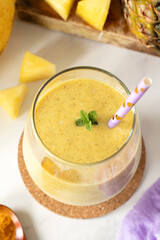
[{"x": 143, "y": 221}]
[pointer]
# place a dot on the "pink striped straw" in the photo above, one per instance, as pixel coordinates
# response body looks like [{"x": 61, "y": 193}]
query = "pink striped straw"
[{"x": 135, "y": 95}]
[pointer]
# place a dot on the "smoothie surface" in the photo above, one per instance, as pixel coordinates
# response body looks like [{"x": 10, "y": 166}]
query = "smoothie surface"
[{"x": 55, "y": 116}]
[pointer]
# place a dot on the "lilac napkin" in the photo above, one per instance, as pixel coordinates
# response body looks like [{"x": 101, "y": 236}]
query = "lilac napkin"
[{"x": 143, "y": 221}]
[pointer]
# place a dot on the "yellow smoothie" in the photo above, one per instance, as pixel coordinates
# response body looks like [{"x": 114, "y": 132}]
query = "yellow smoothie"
[
  {"x": 57, "y": 111},
  {"x": 70, "y": 168}
]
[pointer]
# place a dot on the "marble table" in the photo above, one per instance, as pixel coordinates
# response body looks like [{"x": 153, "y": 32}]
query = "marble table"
[{"x": 68, "y": 51}]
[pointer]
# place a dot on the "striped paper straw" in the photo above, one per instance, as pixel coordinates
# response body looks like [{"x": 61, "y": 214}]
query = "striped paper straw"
[{"x": 142, "y": 87}]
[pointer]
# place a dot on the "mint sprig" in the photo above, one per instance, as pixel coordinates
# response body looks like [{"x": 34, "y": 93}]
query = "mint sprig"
[{"x": 87, "y": 119}]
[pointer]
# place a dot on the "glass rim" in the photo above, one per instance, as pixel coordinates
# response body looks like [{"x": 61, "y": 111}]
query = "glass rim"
[{"x": 52, "y": 155}]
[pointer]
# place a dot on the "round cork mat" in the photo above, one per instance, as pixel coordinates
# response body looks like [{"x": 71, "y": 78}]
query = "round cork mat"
[{"x": 83, "y": 212}]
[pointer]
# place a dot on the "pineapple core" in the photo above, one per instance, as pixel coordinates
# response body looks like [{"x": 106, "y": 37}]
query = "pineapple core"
[{"x": 94, "y": 12}]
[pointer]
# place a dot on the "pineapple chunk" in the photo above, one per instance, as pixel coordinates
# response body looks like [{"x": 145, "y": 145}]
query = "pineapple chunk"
[
  {"x": 62, "y": 7},
  {"x": 11, "y": 99},
  {"x": 94, "y": 12},
  {"x": 35, "y": 68},
  {"x": 70, "y": 175},
  {"x": 7, "y": 12}
]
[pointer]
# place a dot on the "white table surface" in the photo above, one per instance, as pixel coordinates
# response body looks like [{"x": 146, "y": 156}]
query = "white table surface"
[{"x": 67, "y": 51}]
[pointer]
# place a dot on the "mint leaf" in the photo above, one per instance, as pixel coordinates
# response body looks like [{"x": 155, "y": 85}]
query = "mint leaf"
[
  {"x": 80, "y": 122},
  {"x": 88, "y": 126},
  {"x": 84, "y": 116},
  {"x": 87, "y": 120},
  {"x": 93, "y": 117}
]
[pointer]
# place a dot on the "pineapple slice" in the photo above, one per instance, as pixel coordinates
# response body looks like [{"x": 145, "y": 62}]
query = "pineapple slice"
[
  {"x": 11, "y": 99},
  {"x": 94, "y": 12},
  {"x": 62, "y": 7},
  {"x": 7, "y": 12},
  {"x": 35, "y": 68}
]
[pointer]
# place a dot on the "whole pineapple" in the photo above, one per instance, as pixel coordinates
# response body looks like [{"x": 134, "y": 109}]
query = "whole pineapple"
[{"x": 143, "y": 18}]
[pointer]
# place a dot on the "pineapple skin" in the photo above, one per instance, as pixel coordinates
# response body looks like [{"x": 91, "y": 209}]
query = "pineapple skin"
[
  {"x": 35, "y": 68},
  {"x": 143, "y": 18},
  {"x": 62, "y": 7},
  {"x": 93, "y": 12},
  {"x": 11, "y": 99}
]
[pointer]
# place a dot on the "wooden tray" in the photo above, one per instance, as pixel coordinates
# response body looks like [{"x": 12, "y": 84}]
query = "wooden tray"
[{"x": 115, "y": 30}]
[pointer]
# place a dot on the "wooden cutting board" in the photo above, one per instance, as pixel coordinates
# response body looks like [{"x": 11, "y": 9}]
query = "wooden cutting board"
[{"x": 115, "y": 30}]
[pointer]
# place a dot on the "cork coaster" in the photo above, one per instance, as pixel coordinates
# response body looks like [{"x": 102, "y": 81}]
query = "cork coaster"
[{"x": 83, "y": 212}]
